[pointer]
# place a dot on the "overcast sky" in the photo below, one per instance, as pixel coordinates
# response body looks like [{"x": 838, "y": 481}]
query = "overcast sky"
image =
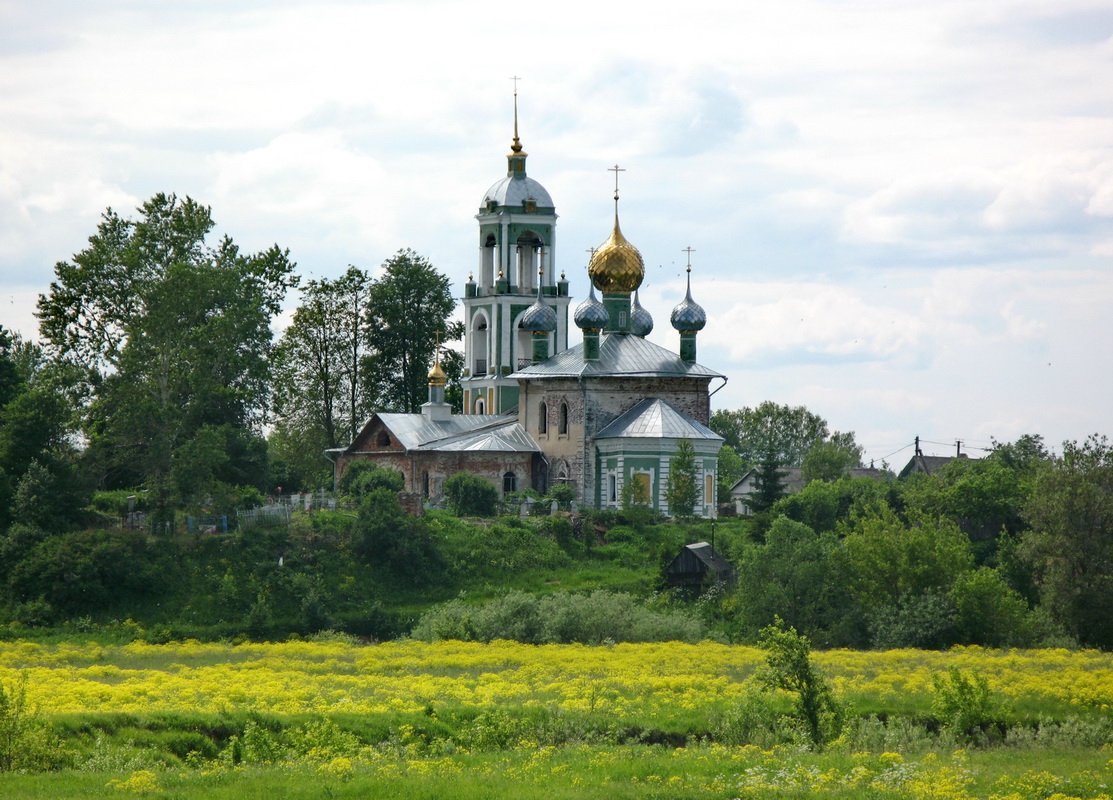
[{"x": 902, "y": 212}]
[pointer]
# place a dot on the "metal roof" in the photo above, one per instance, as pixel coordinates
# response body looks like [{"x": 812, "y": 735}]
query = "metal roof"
[
  {"x": 653, "y": 418},
  {"x": 509, "y": 437},
  {"x": 619, "y": 354},
  {"x": 459, "y": 432},
  {"x": 515, "y": 190}
]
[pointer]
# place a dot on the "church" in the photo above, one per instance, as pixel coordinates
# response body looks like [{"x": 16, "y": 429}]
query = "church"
[{"x": 536, "y": 412}]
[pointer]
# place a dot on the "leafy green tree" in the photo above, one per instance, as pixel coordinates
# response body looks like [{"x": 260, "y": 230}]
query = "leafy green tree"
[
  {"x": 1070, "y": 544},
  {"x": 399, "y": 546},
  {"x": 409, "y": 307},
  {"x": 682, "y": 486},
  {"x": 985, "y": 496},
  {"x": 319, "y": 381},
  {"x": 989, "y": 612},
  {"x": 822, "y": 505},
  {"x": 829, "y": 460},
  {"x": 12, "y": 381},
  {"x": 797, "y": 574},
  {"x": 470, "y": 495},
  {"x": 788, "y": 432},
  {"x": 889, "y": 560},
  {"x": 174, "y": 332},
  {"x": 731, "y": 470},
  {"x": 788, "y": 667},
  {"x": 35, "y": 423}
]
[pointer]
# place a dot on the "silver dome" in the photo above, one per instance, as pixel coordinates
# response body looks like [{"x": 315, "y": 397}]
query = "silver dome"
[
  {"x": 515, "y": 191},
  {"x": 641, "y": 321},
  {"x": 591, "y": 314}
]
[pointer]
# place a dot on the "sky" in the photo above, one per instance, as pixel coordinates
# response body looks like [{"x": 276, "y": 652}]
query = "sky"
[{"x": 901, "y": 212}]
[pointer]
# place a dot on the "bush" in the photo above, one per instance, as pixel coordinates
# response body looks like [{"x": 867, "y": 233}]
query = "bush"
[
  {"x": 989, "y": 612},
  {"x": 788, "y": 666},
  {"x": 26, "y": 743},
  {"x": 470, "y": 495},
  {"x": 963, "y": 704},
  {"x": 560, "y": 618},
  {"x": 752, "y": 719},
  {"x": 362, "y": 476},
  {"x": 924, "y": 620}
]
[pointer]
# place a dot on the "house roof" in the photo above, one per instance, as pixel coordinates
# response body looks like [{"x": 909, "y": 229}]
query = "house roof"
[
  {"x": 619, "y": 354},
  {"x": 791, "y": 477},
  {"x": 653, "y": 418},
  {"x": 926, "y": 464}
]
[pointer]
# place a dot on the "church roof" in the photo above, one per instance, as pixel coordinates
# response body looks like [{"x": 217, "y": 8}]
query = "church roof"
[
  {"x": 653, "y": 418},
  {"x": 514, "y": 191},
  {"x": 619, "y": 354},
  {"x": 475, "y": 432}
]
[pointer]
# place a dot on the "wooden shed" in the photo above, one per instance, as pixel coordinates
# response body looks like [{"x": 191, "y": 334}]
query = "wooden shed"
[{"x": 698, "y": 566}]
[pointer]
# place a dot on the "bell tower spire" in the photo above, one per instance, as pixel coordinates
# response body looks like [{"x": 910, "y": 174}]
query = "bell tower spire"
[{"x": 517, "y": 264}]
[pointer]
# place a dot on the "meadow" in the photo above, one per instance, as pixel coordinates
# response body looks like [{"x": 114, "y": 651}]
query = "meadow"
[{"x": 331, "y": 717}]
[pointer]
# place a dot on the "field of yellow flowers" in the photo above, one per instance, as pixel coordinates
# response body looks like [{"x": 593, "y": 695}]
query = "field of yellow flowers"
[
  {"x": 310, "y": 707},
  {"x": 636, "y": 681}
]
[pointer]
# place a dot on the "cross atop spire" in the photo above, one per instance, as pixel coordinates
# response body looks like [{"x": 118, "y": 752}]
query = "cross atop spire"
[{"x": 616, "y": 169}]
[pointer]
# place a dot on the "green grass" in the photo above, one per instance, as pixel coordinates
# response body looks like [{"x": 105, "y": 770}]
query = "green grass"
[{"x": 612, "y": 772}]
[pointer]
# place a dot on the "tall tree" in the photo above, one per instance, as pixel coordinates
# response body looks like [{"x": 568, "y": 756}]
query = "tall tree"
[
  {"x": 319, "y": 383},
  {"x": 176, "y": 334},
  {"x": 682, "y": 487},
  {"x": 769, "y": 484},
  {"x": 1071, "y": 540},
  {"x": 409, "y": 308},
  {"x": 788, "y": 431}
]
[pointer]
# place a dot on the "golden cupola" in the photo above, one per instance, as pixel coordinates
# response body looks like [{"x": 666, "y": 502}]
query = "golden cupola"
[
  {"x": 617, "y": 266},
  {"x": 437, "y": 376}
]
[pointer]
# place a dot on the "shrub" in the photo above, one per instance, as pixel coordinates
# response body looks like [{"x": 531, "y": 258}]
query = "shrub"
[
  {"x": 963, "y": 704},
  {"x": 989, "y": 612},
  {"x": 560, "y": 618},
  {"x": 362, "y": 476},
  {"x": 924, "y": 620},
  {"x": 470, "y": 495},
  {"x": 752, "y": 719},
  {"x": 26, "y": 742},
  {"x": 788, "y": 666}
]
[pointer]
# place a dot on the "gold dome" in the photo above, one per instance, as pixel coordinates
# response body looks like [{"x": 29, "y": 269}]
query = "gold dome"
[
  {"x": 617, "y": 266},
  {"x": 437, "y": 376}
]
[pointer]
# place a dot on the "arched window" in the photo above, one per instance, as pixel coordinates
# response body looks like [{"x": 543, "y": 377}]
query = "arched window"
[
  {"x": 479, "y": 366},
  {"x": 383, "y": 439},
  {"x": 425, "y": 484},
  {"x": 509, "y": 483},
  {"x": 542, "y": 419},
  {"x": 563, "y": 428},
  {"x": 480, "y": 405}
]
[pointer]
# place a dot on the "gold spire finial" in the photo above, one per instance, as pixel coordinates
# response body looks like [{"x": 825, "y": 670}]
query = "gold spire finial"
[
  {"x": 516, "y": 147},
  {"x": 617, "y": 266},
  {"x": 437, "y": 376}
]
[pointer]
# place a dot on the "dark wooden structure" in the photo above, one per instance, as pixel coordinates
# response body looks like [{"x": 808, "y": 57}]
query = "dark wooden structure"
[{"x": 698, "y": 566}]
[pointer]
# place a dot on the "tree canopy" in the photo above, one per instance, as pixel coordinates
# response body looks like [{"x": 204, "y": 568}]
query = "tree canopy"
[
  {"x": 175, "y": 334},
  {"x": 782, "y": 433},
  {"x": 408, "y": 315}
]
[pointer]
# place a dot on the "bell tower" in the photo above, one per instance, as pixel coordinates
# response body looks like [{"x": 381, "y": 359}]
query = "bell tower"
[{"x": 516, "y": 266}]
